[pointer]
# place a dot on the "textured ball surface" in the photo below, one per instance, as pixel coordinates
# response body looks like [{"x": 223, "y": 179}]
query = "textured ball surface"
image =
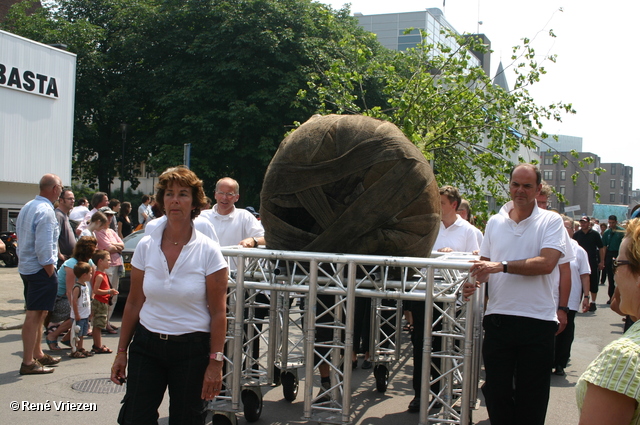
[{"x": 350, "y": 184}]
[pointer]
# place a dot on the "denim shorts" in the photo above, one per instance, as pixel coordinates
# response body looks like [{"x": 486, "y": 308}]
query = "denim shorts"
[{"x": 84, "y": 326}]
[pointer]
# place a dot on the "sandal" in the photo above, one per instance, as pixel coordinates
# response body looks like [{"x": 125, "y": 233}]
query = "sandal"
[
  {"x": 114, "y": 327},
  {"x": 101, "y": 350},
  {"x": 53, "y": 345},
  {"x": 77, "y": 355},
  {"x": 406, "y": 327},
  {"x": 109, "y": 331},
  {"x": 50, "y": 329},
  {"x": 85, "y": 352}
]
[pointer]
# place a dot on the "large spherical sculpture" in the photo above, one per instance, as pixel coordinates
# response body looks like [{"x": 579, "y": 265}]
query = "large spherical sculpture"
[{"x": 350, "y": 184}]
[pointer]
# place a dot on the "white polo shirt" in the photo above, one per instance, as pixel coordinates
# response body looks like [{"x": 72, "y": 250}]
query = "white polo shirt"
[
  {"x": 231, "y": 228},
  {"x": 579, "y": 267},
  {"x": 176, "y": 301},
  {"x": 460, "y": 236},
  {"x": 504, "y": 239}
]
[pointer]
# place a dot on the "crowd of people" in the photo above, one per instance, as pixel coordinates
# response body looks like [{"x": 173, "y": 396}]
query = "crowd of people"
[{"x": 541, "y": 268}]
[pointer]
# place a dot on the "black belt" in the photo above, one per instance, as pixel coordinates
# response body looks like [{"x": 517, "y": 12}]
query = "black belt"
[{"x": 190, "y": 337}]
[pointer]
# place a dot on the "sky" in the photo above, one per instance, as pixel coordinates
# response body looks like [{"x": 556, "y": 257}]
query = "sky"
[{"x": 596, "y": 52}]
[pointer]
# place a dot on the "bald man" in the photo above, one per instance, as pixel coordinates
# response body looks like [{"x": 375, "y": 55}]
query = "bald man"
[{"x": 38, "y": 232}]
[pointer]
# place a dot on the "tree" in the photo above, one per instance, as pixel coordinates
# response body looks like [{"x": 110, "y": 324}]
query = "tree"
[
  {"x": 221, "y": 75},
  {"x": 450, "y": 109}
]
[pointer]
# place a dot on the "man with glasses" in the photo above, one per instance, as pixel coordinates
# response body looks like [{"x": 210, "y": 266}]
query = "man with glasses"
[
  {"x": 67, "y": 239},
  {"x": 234, "y": 226},
  {"x": 38, "y": 231}
]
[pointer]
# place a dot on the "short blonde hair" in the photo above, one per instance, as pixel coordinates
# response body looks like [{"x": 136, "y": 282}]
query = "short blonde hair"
[{"x": 633, "y": 247}]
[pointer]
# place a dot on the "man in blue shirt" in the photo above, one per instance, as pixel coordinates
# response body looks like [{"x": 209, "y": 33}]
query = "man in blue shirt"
[{"x": 38, "y": 231}]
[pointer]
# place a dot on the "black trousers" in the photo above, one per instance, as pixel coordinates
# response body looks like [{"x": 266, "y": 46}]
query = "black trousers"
[
  {"x": 517, "y": 350},
  {"x": 608, "y": 270},
  {"x": 417, "y": 339},
  {"x": 564, "y": 340}
]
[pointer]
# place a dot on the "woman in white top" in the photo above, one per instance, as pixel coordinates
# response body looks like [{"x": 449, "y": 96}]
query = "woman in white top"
[{"x": 175, "y": 312}]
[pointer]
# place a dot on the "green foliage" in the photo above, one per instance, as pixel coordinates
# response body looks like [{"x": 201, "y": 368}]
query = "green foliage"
[
  {"x": 221, "y": 75},
  {"x": 471, "y": 130}
]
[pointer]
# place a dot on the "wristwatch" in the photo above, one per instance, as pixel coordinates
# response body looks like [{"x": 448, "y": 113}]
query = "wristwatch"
[
  {"x": 565, "y": 309},
  {"x": 504, "y": 267},
  {"x": 217, "y": 356}
]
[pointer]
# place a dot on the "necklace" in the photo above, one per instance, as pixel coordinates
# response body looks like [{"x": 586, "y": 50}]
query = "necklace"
[{"x": 175, "y": 243}]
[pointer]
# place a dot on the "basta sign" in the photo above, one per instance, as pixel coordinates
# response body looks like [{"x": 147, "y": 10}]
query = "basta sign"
[{"x": 28, "y": 81}]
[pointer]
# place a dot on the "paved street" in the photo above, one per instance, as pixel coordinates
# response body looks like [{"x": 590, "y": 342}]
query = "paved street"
[{"x": 78, "y": 380}]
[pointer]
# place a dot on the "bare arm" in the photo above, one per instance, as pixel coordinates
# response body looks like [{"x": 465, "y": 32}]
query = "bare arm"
[
  {"x": 130, "y": 318},
  {"x": 586, "y": 288},
  {"x": 251, "y": 243},
  {"x": 542, "y": 264},
  {"x": 120, "y": 230},
  {"x": 606, "y": 407},
  {"x": 565, "y": 290},
  {"x": 217, "y": 301}
]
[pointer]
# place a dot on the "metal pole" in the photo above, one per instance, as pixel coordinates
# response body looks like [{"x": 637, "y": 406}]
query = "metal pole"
[
  {"x": 123, "y": 129},
  {"x": 187, "y": 155}
]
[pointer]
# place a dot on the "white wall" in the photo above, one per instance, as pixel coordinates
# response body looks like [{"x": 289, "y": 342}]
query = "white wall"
[{"x": 36, "y": 116}]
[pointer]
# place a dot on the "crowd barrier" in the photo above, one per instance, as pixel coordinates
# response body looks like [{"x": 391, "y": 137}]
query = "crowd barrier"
[{"x": 279, "y": 300}]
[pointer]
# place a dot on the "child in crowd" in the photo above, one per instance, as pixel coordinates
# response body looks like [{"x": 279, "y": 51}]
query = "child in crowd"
[
  {"x": 102, "y": 293},
  {"x": 81, "y": 307}
]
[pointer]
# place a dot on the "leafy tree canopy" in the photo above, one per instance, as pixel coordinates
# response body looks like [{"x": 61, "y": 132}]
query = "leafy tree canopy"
[{"x": 221, "y": 75}]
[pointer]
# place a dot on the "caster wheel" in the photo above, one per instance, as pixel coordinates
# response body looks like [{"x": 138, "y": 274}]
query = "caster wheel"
[
  {"x": 252, "y": 405},
  {"x": 382, "y": 378},
  {"x": 289, "y": 386},
  {"x": 220, "y": 420}
]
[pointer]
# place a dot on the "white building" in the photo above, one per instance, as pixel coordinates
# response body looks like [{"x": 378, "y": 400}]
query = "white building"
[{"x": 37, "y": 89}]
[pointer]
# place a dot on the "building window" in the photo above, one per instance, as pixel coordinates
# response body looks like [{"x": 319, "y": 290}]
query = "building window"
[
  {"x": 548, "y": 160},
  {"x": 621, "y": 199},
  {"x": 548, "y": 175},
  {"x": 613, "y": 169},
  {"x": 563, "y": 175},
  {"x": 612, "y": 184},
  {"x": 562, "y": 190},
  {"x": 622, "y": 184},
  {"x": 612, "y": 197}
]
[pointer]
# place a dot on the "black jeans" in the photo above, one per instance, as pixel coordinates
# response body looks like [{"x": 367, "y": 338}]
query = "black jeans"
[
  {"x": 517, "y": 349},
  {"x": 154, "y": 364},
  {"x": 564, "y": 340},
  {"x": 608, "y": 270}
]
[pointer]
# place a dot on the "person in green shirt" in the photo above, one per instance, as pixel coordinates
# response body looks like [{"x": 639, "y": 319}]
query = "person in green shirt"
[{"x": 611, "y": 239}]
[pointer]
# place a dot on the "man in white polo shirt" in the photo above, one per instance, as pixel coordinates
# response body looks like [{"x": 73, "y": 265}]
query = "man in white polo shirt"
[
  {"x": 234, "y": 226},
  {"x": 521, "y": 248}
]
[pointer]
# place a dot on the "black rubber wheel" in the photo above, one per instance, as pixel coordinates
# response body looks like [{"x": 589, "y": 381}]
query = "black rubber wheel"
[
  {"x": 382, "y": 377},
  {"x": 220, "y": 420},
  {"x": 252, "y": 405},
  {"x": 289, "y": 386}
]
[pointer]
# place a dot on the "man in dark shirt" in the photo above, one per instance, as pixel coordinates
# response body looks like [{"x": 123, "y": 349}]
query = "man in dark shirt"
[
  {"x": 67, "y": 239},
  {"x": 591, "y": 242},
  {"x": 612, "y": 238}
]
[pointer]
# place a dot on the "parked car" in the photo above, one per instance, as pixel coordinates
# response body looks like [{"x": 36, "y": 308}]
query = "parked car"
[{"x": 130, "y": 243}]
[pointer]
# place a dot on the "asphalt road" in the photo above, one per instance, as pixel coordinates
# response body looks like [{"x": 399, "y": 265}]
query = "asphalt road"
[{"x": 81, "y": 380}]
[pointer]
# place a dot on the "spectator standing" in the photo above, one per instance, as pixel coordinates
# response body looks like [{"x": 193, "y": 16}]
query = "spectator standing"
[
  {"x": 96, "y": 222},
  {"x": 124, "y": 222},
  {"x": 67, "y": 239},
  {"x": 81, "y": 308},
  {"x": 78, "y": 212},
  {"x": 38, "y": 231},
  {"x": 144, "y": 212},
  {"x": 611, "y": 239},
  {"x": 103, "y": 293},
  {"x": 521, "y": 248},
  {"x": 108, "y": 240},
  {"x": 114, "y": 205},
  {"x": 591, "y": 242},
  {"x": 99, "y": 200}
]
